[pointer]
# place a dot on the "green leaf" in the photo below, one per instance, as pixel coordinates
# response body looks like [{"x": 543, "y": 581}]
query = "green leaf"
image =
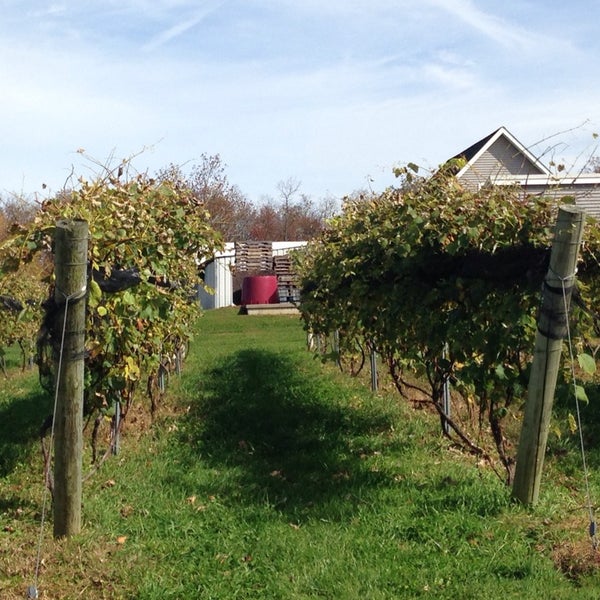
[
  {"x": 128, "y": 298},
  {"x": 102, "y": 311},
  {"x": 95, "y": 294},
  {"x": 587, "y": 363},
  {"x": 580, "y": 394},
  {"x": 109, "y": 411},
  {"x": 149, "y": 312}
]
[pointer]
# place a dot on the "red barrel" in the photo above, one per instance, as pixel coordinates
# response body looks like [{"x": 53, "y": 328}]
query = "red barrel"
[{"x": 260, "y": 289}]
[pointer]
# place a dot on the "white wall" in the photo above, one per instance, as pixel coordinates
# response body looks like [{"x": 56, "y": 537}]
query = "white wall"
[
  {"x": 218, "y": 277},
  {"x": 280, "y": 248}
]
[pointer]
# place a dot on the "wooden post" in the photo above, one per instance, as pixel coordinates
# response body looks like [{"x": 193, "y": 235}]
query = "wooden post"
[
  {"x": 71, "y": 242},
  {"x": 551, "y": 330},
  {"x": 336, "y": 347}
]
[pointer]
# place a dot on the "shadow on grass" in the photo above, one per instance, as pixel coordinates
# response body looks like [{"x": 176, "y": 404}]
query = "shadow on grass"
[
  {"x": 567, "y": 447},
  {"x": 282, "y": 438},
  {"x": 20, "y": 423}
]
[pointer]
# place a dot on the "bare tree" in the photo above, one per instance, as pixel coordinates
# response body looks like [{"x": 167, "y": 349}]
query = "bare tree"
[
  {"x": 287, "y": 189},
  {"x": 230, "y": 212},
  {"x": 292, "y": 216},
  {"x": 15, "y": 210},
  {"x": 593, "y": 165}
]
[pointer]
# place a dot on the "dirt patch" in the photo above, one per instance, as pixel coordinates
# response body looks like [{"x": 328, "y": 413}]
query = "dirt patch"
[{"x": 576, "y": 559}]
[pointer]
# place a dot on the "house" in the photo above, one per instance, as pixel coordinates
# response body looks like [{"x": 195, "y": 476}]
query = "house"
[{"x": 500, "y": 159}]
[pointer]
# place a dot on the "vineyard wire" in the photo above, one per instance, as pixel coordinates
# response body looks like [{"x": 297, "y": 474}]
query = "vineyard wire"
[{"x": 592, "y": 526}]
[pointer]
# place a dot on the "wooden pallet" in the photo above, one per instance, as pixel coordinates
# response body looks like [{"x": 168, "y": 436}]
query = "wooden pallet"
[
  {"x": 253, "y": 257},
  {"x": 287, "y": 282},
  {"x": 283, "y": 308}
]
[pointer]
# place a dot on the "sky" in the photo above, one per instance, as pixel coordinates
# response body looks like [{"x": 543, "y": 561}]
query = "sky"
[{"x": 331, "y": 93}]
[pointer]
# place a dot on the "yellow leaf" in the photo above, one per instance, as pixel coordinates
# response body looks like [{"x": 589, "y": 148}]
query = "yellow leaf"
[
  {"x": 572, "y": 423},
  {"x": 132, "y": 370}
]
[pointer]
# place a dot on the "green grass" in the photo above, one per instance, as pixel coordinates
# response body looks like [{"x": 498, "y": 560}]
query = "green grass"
[{"x": 274, "y": 476}]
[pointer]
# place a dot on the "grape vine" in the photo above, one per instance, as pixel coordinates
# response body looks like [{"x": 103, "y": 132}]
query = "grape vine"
[
  {"x": 431, "y": 265},
  {"x": 147, "y": 239}
]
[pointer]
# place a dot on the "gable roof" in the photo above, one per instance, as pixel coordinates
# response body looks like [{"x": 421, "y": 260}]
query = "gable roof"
[
  {"x": 528, "y": 162},
  {"x": 469, "y": 153}
]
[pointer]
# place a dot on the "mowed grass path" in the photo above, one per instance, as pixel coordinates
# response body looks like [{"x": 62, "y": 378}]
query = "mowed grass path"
[{"x": 274, "y": 476}]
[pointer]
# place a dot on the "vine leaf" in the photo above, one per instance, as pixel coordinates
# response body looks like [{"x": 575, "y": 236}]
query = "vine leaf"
[
  {"x": 587, "y": 363},
  {"x": 580, "y": 394},
  {"x": 95, "y": 294}
]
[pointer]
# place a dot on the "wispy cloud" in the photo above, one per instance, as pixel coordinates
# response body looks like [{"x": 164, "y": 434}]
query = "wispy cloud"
[
  {"x": 183, "y": 26},
  {"x": 50, "y": 11},
  {"x": 500, "y": 30}
]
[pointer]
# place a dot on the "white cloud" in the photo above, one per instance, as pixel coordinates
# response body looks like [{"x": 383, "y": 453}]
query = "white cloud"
[
  {"x": 512, "y": 36},
  {"x": 182, "y": 26}
]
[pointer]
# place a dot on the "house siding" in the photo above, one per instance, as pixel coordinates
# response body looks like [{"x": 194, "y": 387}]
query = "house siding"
[
  {"x": 500, "y": 160},
  {"x": 587, "y": 196}
]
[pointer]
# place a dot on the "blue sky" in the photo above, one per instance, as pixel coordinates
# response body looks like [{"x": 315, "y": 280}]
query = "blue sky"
[{"x": 333, "y": 93}]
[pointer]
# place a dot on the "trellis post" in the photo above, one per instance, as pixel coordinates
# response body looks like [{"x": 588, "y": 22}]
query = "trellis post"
[
  {"x": 71, "y": 243},
  {"x": 551, "y": 330},
  {"x": 374, "y": 377}
]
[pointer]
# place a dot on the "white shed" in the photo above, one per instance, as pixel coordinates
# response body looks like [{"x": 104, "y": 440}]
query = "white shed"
[{"x": 218, "y": 275}]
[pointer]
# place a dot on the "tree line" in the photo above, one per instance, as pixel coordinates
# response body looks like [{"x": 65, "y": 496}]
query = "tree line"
[{"x": 291, "y": 215}]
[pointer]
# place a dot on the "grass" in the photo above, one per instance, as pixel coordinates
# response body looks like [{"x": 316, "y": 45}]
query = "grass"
[{"x": 270, "y": 475}]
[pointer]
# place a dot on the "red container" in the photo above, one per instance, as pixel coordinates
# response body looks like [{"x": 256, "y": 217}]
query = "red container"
[{"x": 260, "y": 289}]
